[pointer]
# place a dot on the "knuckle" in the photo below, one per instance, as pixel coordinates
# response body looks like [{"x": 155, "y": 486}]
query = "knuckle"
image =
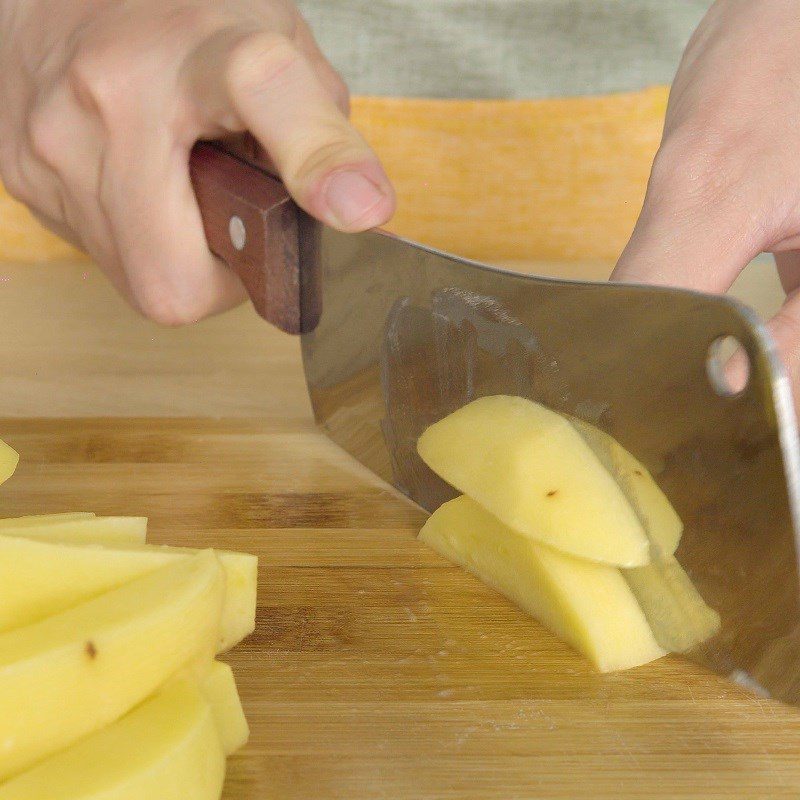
[
  {"x": 196, "y": 20},
  {"x": 698, "y": 169},
  {"x": 333, "y": 148},
  {"x": 44, "y": 136},
  {"x": 86, "y": 76},
  {"x": 93, "y": 78},
  {"x": 14, "y": 183},
  {"x": 161, "y": 303},
  {"x": 258, "y": 61}
]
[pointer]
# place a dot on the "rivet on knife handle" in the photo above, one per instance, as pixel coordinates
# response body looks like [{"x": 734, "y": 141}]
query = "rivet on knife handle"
[{"x": 251, "y": 223}]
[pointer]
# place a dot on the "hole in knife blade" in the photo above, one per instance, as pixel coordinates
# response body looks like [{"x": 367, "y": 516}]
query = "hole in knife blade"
[{"x": 727, "y": 366}]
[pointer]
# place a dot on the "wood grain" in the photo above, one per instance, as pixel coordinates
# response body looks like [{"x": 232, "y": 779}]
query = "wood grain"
[{"x": 377, "y": 669}]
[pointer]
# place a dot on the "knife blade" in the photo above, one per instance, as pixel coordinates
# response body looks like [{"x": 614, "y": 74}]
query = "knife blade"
[{"x": 396, "y": 335}]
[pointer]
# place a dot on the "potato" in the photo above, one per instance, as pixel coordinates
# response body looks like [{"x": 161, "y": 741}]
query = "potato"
[
  {"x": 44, "y": 519},
  {"x": 679, "y": 617},
  {"x": 588, "y": 605},
  {"x": 40, "y": 578},
  {"x": 9, "y": 458},
  {"x": 529, "y": 467},
  {"x": 219, "y": 688},
  {"x": 105, "y": 530},
  {"x": 661, "y": 523},
  {"x": 167, "y": 748},
  {"x": 73, "y": 673}
]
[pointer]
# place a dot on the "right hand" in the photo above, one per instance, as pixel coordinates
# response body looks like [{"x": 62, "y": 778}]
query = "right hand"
[{"x": 102, "y": 100}]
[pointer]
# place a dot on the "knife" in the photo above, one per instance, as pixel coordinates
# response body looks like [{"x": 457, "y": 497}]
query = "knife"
[{"x": 396, "y": 335}]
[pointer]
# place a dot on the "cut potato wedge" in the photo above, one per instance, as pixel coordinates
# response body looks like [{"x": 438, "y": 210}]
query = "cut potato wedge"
[
  {"x": 73, "y": 673},
  {"x": 9, "y": 458},
  {"x": 661, "y": 523},
  {"x": 529, "y": 467},
  {"x": 167, "y": 748},
  {"x": 44, "y": 519},
  {"x": 219, "y": 687},
  {"x": 98, "y": 530},
  {"x": 588, "y": 605},
  {"x": 679, "y": 617},
  {"x": 40, "y": 578}
]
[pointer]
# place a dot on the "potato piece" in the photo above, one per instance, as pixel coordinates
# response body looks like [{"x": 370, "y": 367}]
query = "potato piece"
[
  {"x": 660, "y": 521},
  {"x": 9, "y": 458},
  {"x": 104, "y": 530},
  {"x": 44, "y": 519},
  {"x": 588, "y": 605},
  {"x": 73, "y": 673},
  {"x": 679, "y": 617},
  {"x": 41, "y": 578},
  {"x": 219, "y": 688},
  {"x": 167, "y": 748},
  {"x": 529, "y": 467}
]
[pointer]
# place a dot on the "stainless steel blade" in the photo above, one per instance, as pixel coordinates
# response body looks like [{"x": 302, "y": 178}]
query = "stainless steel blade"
[{"x": 408, "y": 334}]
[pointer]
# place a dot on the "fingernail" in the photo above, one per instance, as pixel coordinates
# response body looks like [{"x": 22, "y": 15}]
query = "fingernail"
[{"x": 351, "y": 196}]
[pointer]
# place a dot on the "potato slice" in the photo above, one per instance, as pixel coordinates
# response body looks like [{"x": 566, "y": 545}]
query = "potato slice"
[
  {"x": 660, "y": 521},
  {"x": 9, "y": 458},
  {"x": 105, "y": 530},
  {"x": 679, "y": 617},
  {"x": 588, "y": 605},
  {"x": 529, "y": 467},
  {"x": 73, "y": 673},
  {"x": 44, "y": 519},
  {"x": 41, "y": 578},
  {"x": 167, "y": 748},
  {"x": 219, "y": 687}
]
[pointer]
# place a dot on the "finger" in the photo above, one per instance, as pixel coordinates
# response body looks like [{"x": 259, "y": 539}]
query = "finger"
[
  {"x": 694, "y": 230},
  {"x": 148, "y": 198},
  {"x": 328, "y": 76},
  {"x": 788, "y": 265},
  {"x": 326, "y": 165},
  {"x": 67, "y": 143}
]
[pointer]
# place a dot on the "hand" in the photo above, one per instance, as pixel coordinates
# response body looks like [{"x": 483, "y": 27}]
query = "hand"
[
  {"x": 102, "y": 101},
  {"x": 725, "y": 185}
]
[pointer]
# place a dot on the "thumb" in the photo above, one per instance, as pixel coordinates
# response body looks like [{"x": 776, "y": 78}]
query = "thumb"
[
  {"x": 262, "y": 83},
  {"x": 694, "y": 230}
]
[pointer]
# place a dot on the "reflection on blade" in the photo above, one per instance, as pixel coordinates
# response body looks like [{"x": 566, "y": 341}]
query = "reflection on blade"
[
  {"x": 408, "y": 335},
  {"x": 678, "y": 615}
]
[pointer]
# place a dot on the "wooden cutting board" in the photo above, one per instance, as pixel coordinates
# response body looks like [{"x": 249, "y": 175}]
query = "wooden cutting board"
[{"x": 377, "y": 670}]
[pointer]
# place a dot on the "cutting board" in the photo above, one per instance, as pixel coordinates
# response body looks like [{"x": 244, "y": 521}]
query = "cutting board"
[{"x": 377, "y": 669}]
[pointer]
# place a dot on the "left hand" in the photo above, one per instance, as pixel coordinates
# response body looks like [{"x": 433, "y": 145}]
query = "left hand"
[{"x": 725, "y": 184}]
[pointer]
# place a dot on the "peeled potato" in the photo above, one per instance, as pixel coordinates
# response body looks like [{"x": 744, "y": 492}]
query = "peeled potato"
[
  {"x": 678, "y": 615},
  {"x": 219, "y": 687},
  {"x": 660, "y": 521},
  {"x": 167, "y": 748},
  {"x": 529, "y": 467},
  {"x": 73, "y": 673},
  {"x": 36, "y": 520},
  {"x": 41, "y": 578},
  {"x": 86, "y": 529},
  {"x": 9, "y": 458},
  {"x": 588, "y": 605}
]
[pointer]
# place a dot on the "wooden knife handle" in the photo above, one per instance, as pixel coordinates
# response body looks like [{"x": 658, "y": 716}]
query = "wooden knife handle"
[{"x": 252, "y": 223}]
